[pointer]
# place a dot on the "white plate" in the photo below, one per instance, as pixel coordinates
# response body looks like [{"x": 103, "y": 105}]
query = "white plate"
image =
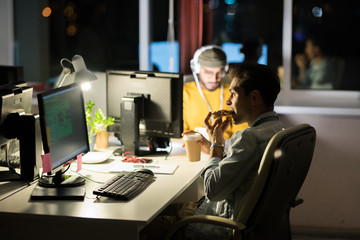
[{"x": 95, "y": 157}]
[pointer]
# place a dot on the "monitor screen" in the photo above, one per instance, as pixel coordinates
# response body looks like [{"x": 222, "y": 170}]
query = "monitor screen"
[
  {"x": 151, "y": 104},
  {"x": 63, "y": 125},
  {"x": 234, "y": 53}
]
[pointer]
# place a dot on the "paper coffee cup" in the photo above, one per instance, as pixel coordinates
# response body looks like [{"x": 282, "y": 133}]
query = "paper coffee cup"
[{"x": 193, "y": 149}]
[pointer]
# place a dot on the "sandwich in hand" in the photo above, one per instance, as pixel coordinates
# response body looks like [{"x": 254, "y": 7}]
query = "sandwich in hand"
[{"x": 221, "y": 113}]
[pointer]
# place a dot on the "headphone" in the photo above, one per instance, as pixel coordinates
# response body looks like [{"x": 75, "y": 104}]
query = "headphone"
[{"x": 194, "y": 63}]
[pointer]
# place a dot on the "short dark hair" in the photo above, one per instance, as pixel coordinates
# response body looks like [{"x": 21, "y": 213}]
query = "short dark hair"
[
  {"x": 319, "y": 41},
  {"x": 253, "y": 76}
]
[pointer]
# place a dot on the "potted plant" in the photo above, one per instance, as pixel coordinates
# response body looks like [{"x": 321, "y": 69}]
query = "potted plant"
[{"x": 97, "y": 126}]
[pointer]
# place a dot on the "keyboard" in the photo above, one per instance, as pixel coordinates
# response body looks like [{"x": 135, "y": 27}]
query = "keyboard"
[{"x": 125, "y": 185}]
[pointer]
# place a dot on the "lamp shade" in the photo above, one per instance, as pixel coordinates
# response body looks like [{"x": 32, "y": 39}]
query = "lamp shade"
[{"x": 81, "y": 74}]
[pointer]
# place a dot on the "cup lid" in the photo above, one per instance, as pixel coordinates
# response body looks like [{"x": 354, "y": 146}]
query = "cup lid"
[{"x": 192, "y": 137}]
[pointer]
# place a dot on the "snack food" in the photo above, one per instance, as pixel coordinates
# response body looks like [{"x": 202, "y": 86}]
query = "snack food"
[{"x": 221, "y": 113}]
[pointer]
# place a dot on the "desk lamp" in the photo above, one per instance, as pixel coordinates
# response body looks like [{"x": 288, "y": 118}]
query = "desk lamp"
[{"x": 82, "y": 74}]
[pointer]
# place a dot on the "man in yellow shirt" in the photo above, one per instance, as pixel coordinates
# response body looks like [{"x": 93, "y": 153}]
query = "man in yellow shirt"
[{"x": 207, "y": 92}]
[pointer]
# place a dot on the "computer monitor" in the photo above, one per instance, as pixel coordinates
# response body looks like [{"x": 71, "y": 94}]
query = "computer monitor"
[
  {"x": 147, "y": 107},
  {"x": 13, "y": 100},
  {"x": 20, "y": 140},
  {"x": 64, "y": 132},
  {"x": 15, "y": 96},
  {"x": 11, "y": 76}
]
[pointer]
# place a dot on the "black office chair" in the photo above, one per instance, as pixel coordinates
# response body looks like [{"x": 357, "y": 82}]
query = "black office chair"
[{"x": 266, "y": 208}]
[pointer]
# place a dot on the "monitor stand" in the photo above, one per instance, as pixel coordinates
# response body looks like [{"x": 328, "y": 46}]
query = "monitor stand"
[
  {"x": 43, "y": 193},
  {"x": 130, "y": 133},
  {"x": 154, "y": 144},
  {"x": 59, "y": 188},
  {"x": 132, "y": 108},
  {"x": 52, "y": 182}
]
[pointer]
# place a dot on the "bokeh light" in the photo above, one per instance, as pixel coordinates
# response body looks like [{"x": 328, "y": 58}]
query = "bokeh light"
[
  {"x": 317, "y": 12},
  {"x": 69, "y": 10},
  {"x": 46, "y": 12},
  {"x": 230, "y": 2},
  {"x": 71, "y": 30},
  {"x": 277, "y": 153}
]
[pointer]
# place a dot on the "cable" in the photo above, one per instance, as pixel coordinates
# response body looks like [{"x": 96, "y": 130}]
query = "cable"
[
  {"x": 53, "y": 175},
  {"x": 11, "y": 168},
  {"x": 132, "y": 158},
  {"x": 81, "y": 175},
  {"x": 68, "y": 166},
  {"x": 168, "y": 154}
]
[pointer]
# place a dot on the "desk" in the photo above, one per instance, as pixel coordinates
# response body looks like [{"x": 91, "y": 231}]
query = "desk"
[{"x": 102, "y": 218}]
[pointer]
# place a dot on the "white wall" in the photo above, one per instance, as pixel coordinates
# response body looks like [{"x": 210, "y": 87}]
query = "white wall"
[
  {"x": 331, "y": 190},
  {"x": 6, "y": 33},
  {"x": 97, "y": 92}
]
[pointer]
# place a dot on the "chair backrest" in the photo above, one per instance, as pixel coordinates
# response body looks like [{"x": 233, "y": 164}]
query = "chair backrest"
[{"x": 282, "y": 171}]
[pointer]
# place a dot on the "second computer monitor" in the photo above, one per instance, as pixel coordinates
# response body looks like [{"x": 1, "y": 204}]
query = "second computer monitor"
[
  {"x": 63, "y": 129},
  {"x": 147, "y": 107}
]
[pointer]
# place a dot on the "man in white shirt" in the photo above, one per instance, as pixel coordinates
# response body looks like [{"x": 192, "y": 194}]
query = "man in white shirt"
[{"x": 229, "y": 175}]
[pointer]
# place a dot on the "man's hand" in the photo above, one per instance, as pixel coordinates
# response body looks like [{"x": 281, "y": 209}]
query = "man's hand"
[
  {"x": 217, "y": 130},
  {"x": 301, "y": 61},
  {"x": 204, "y": 143}
]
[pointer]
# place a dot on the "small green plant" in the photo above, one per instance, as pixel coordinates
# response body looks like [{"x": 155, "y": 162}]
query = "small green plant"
[{"x": 99, "y": 122}]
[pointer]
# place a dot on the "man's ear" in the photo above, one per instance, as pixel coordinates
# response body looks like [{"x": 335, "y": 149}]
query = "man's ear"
[{"x": 255, "y": 96}]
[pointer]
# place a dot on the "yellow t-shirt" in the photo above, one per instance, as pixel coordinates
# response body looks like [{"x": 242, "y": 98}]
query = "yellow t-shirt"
[{"x": 195, "y": 109}]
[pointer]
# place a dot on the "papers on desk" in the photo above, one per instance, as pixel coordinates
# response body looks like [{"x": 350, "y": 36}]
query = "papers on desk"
[{"x": 117, "y": 166}]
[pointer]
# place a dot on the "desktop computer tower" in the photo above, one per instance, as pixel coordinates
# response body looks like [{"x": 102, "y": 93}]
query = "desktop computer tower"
[{"x": 129, "y": 133}]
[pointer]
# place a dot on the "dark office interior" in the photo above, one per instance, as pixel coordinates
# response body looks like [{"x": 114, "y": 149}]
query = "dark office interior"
[{"x": 106, "y": 34}]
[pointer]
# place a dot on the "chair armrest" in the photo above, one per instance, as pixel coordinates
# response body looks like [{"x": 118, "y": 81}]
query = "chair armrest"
[
  {"x": 215, "y": 220},
  {"x": 296, "y": 202}
]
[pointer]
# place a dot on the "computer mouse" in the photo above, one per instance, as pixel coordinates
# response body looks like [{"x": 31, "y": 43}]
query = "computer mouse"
[
  {"x": 145, "y": 170},
  {"x": 118, "y": 152}
]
